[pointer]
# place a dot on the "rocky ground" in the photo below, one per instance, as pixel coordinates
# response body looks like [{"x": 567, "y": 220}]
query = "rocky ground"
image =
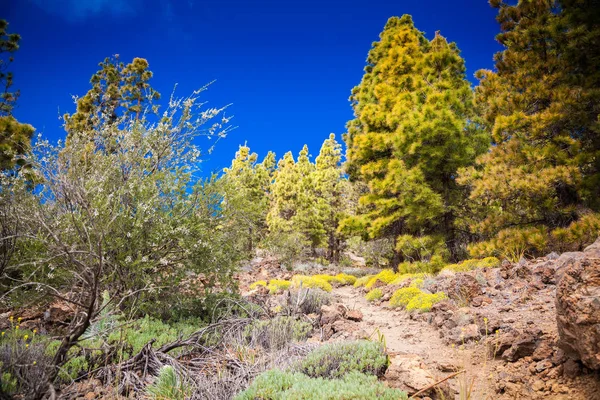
[{"x": 497, "y": 336}]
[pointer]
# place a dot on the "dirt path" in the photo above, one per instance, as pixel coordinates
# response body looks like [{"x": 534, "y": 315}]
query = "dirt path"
[{"x": 406, "y": 336}]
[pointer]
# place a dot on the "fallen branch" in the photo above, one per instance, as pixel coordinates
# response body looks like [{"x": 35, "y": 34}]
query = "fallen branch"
[{"x": 437, "y": 383}]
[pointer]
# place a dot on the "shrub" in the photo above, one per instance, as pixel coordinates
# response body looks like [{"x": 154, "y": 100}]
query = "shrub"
[
  {"x": 257, "y": 284},
  {"x": 307, "y": 301},
  {"x": 374, "y": 294},
  {"x": 362, "y": 281},
  {"x": 435, "y": 264},
  {"x": 278, "y": 285},
  {"x": 424, "y": 301},
  {"x": 168, "y": 386},
  {"x": 311, "y": 282},
  {"x": 276, "y": 333},
  {"x": 400, "y": 278},
  {"x": 345, "y": 279},
  {"x": 418, "y": 283},
  {"x": 386, "y": 276},
  {"x": 578, "y": 234},
  {"x": 513, "y": 244},
  {"x": 276, "y": 385},
  {"x": 469, "y": 265},
  {"x": 402, "y": 297},
  {"x": 338, "y": 359}
]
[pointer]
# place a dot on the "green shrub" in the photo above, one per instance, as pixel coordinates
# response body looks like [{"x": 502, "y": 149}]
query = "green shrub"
[
  {"x": 424, "y": 301},
  {"x": 513, "y": 243},
  {"x": 578, "y": 234},
  {"x": 402, "y": 297},
  {"x": 374, "y": 294},
  {"x": 278, "y": 332},
  {"x": 308, "y": 300},
  {"x": 338, "y": 359},
  {"x": 279, "y": 385},
  {"x": 400, "y": 278},
  {"x": 418, "y": 283},
  {"x": 311, "y": 282},
  {"x": 168, "y": 386}
]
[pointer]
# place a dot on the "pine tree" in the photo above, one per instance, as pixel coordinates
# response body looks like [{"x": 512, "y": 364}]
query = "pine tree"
[
  {"x": 413, "y": 129},
  {"x": 542, "y": 108},
  {"x": 116, "y": 88},
  {"x": 246, "y": 186},
  {"x": 332, "y": 191},
  {"x": 15, "y": 137}
]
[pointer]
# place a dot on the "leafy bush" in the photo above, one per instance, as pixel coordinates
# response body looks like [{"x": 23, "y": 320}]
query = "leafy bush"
[
  {"x": 257, "y": 284},
  {"x": 418, "y": 283},
  {"x": 424, "y": 301},
  {"x": 402, "y": 297},
  {"x": 168, "y": 386},
  {"x": 277, "y": 333},
  {"x": 386, "y": 276},
  {"x": 469, "y": 265},
  {"x": 277, "y": 385},
  {"x": 422, "y": 248},
  {"x": 311, "y": 282},
  {"x": 338, "y": 359},
  {"x": 374, "y": 294},
  {"x": 435, "y": 264},
  {"x": 278, "y": 285},
  {"x": 341, "y": 279},
  {"x": 362, "y": 281}
]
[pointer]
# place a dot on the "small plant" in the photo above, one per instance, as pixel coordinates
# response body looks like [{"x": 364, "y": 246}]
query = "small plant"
[
  {"x": 276, "y": 385},
  {"x": 276, "y": 333},
  {"x": 402, "y": 297},
  {"x": 374, "y": 294},
  {"x": 401, "y": 278},
  {"x": 386, "y": 276},
  {"x": 307, "y": 301},
  {"x": 168, "y": 386},
  {"x": 338, "y": 359},
  {"x": 424, "y": 301},
  {"x": 469, "y": 265},
  {"x": 256, "y": 284},
  {"x": 362, "y": 281},
  {"x": 278, "y": 285},
  {"x": 311, "y": 282}
]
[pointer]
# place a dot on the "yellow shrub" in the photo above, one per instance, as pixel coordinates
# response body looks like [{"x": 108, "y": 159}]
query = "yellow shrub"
[
  {"x": 469, "y": 265},
  {"x": 278, "y": 285},
  {"x": 257, "y": 284},
  {"x": 345, "y": 279},
  {"x": 362, "y": 281},
  {"x": 513, "y": 243},
  {"x": 386, "y": 276},
  {"x": 374, "y": 294},
  {"x": 402, "y": 277},
  {"x": 402, "y": 297},
  {"x": 424, "y": 301},
  {"x": 417, "y": 283},
  {"x": 311, "y": 282},
  {"x": 577, "y": 235}
]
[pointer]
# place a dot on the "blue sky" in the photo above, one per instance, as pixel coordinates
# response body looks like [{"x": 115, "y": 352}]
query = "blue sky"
[{"x": 287, "y": 66}]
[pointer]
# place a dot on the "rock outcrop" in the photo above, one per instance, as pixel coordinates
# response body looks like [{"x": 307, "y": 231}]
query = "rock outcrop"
[{"x": 578, "y": 305}]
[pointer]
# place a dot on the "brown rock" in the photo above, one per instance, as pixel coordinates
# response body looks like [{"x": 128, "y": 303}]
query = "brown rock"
[
  {"x": 578, "y": 310},
  {"x": 523, "y": 346},
  {"x": 571, "y": 368},
  {"x": 354, "y": 315},
  {"x": 90, "y": 396},
  {"x": 546, "y": 273},
  {"x": 463, "y": 288},
  {"x": 479, "y": 301},
  {"x": 542, "y": 352},
  {"x": 330, "y": 314},
  {"x": 464, "y": 334},
  {"x": 408, "y": 373}
]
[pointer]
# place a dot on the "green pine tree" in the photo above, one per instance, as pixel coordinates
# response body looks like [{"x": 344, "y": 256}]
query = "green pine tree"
[
  {"x": 413, "y": 128},
  {"x": 15, "y": 137},
  {"x": 246, "y": 185},
  {"x": 542, "y": 107}
]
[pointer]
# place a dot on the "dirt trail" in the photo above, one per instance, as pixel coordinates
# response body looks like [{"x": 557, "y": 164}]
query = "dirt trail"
[{"x": 404, "y": 335}]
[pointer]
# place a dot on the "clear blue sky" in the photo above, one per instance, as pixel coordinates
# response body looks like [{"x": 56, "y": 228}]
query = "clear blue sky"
[{"x": 287, "y": 66}]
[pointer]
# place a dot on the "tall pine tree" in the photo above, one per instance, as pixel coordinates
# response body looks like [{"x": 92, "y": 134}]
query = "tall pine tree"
[
  {"x": 413, "y": 129},
  {"x": 15, "y": 137},
  {"x": 542, "y": 107}
]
